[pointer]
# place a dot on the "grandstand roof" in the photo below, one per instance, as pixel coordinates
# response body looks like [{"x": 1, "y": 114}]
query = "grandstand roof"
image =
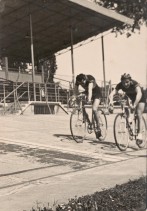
[{"x": 52, "y": 21}]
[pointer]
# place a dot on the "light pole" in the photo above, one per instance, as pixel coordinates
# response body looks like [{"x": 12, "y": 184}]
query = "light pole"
[
  {"x": 72, "y": 58},
  {"x": 32, "y": 58},
  {"x": 103, "y": 58}
]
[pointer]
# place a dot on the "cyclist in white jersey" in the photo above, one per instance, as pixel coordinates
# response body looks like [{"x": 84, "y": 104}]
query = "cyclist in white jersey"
[{"x": 135, "y": 93}]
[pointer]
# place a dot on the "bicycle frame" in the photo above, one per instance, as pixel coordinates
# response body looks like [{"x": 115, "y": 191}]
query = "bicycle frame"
[
  {"x": 80, "y": 104},
  {"x": 125, "y": 131},
  {"x": 133, "y": 129},
  {"x": 90, "y": 127},
  {"x": 80, "y": 108}
]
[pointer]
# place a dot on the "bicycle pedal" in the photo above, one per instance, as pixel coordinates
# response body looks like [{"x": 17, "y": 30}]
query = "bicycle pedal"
[
  {"x": 139, "y": 141},
  {"x": 98, "y": 134},
  {"x": 90, "y": 126},
  {"x": 89, "y": 129},
  {"x": 131, "y": 138}
]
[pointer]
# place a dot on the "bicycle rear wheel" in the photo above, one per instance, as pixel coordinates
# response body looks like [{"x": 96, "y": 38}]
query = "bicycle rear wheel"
[
  {"x": 121, "y": 134},
  {"x": 102, "y": 124},
  {"x": 78, "y": 126},
  {"x": 142, "y": 143}
]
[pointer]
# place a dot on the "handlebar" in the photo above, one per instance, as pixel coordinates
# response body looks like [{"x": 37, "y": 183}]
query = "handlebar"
[
  {"x": 81, "y": 96},
  {"x": 74, "y": 100},
  {"x": 124, "y": 105}
]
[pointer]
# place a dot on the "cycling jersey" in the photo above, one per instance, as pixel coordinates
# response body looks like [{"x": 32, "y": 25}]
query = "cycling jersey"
[
  {"x": 131, "y": 90},
  {"x": 96, "y": 91}
]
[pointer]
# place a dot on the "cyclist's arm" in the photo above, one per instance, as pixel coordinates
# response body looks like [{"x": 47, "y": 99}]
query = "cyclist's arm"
[
  {"x": 138, "y": 95},
  {"x": 111, "y": 96},
  {"x": 76, "y": 90},
  {"x": 90, "y": 92},
  {"x": 128, "y": 101}
]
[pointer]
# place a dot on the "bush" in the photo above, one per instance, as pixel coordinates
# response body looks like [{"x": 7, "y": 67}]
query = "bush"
[{"x": 130, "y": 196}]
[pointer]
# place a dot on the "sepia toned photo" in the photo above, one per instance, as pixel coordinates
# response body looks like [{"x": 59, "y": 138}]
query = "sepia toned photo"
[{"x": 73, "y": 105}]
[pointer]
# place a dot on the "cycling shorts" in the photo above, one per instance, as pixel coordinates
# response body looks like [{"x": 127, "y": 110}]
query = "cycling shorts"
[{"x": 96, "y": 93}]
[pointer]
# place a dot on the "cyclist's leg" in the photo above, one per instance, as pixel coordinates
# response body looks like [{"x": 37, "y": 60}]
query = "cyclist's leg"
[
  {"x": 139, "y": 112},
  {"x": 86, "y": 116},
  {"x": 95, "y": 107}
]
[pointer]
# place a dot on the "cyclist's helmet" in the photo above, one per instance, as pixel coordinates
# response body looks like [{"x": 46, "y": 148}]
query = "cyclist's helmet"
[
  {"x": 81, "y": 77},
  {"x": 125, "y": 76}
]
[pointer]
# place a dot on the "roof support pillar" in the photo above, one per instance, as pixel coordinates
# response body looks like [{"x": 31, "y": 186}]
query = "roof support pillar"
[
  {"x": 72, "y": 58},
  {"x": 103, "y": 60},
  {"x": 6, "y": 68},
  {"x": 32, "y": 57},
  {"x": 146, "y": 66},
  {"x": 42, "y": 73}
]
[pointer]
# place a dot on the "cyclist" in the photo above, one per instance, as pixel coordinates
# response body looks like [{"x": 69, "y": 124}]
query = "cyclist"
[
  {"x": 93, "y": 94},
  {"x": 135, "y": 93}
]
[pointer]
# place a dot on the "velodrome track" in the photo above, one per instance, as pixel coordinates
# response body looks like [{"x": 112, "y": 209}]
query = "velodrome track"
[{"x": 40, "y": 161}]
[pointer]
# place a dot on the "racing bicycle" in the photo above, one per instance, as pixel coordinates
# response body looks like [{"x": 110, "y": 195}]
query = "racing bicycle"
[
  {"x": 126, "y": 131},
  {"x": 79, "y": 124}
]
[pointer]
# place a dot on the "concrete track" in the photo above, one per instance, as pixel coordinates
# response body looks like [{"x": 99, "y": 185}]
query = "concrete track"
[{"x": 40, "y": 162}]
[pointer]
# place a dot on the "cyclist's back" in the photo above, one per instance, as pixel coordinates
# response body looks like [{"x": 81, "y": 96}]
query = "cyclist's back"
[
  {"x": 93, "y": 92},
  {"x": 85, "y": 81},
  {"x": 87, "y": 78}
]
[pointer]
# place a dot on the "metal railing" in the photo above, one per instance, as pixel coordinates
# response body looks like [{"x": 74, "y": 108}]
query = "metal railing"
[{"x": 12, "y": 94}]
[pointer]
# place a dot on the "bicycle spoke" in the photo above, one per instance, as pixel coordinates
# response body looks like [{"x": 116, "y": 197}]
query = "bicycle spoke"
[
  {"x": 77, "y": 126},
  {"x": 121, "y": 134}
]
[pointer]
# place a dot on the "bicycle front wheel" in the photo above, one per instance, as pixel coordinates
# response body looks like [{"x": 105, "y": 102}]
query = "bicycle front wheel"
[
  {"x": 121, "y": 134},
  {"x": 78, "y": 126}
]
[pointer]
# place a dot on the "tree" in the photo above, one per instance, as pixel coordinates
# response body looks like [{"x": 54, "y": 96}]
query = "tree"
[
  {"x": 50, "y": 68},
  {"x": 135, "y": 9}
]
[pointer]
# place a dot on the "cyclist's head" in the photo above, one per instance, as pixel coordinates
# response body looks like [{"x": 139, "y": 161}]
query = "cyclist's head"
[
  {"x": 81, "y": 78},
  {"x": 125, "y": 76},
  {"x": 126, "y": 80}
]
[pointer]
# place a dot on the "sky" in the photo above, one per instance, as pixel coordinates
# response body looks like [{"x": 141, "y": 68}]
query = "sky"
[{"x": 122, "y": 55}]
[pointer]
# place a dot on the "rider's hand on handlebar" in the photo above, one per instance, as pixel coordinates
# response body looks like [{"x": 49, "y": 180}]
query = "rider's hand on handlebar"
[{"x": 81, "y": 95}]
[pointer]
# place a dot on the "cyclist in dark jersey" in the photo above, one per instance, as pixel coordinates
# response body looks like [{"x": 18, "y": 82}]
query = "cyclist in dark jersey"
[
  {"x": 93, "y": 93},
  {"x": 135, "y": 93}
]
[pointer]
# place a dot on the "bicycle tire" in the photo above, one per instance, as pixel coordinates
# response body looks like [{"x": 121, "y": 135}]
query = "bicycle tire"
[
  {"x": 121, "y": 133},
  {"x": 102, "y": 124},
  {"x": 77, "y": 126},
  {"x": 143, "y": 142}
]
